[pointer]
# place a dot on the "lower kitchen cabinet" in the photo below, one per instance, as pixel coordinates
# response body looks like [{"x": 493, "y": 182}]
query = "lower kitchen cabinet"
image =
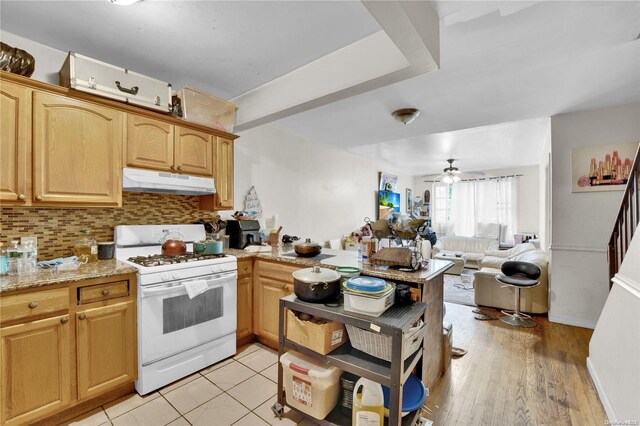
[
  {"x": 244, "y": 331},
  {"x": 272, "y": 282},
  {"x": 35, "y": 369},
  {"x": 105, "y": 348},
  {"x": 57, "y": 353}
]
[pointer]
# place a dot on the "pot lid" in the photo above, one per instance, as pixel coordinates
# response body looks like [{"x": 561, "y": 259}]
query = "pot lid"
[
  {"x": 366, "y": 284},
  {"x": 307, "y": 243},
  {"x": 316, "y": 274}
]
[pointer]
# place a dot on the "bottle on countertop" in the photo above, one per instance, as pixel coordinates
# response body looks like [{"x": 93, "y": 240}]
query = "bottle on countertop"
[
  {"x": 28, "y": 259},
  {"x": 368, "y": 405},
  {"x": 3, "y": 260},
  {"x": 86, "y": 248},
  {"x": 13, "y": 256}
]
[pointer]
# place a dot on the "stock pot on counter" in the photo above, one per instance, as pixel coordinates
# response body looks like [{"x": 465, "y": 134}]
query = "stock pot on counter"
[{"x": 316, "y": 285}]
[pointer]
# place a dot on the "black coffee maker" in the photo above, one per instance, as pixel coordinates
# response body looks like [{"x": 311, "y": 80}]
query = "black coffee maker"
[{"x": 243, "y": 233}]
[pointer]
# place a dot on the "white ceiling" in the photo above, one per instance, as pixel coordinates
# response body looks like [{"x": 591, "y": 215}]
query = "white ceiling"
[{"x": 500, "y": 62}]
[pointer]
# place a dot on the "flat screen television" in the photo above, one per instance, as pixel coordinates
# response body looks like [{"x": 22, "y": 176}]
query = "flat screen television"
[{"x": 388, "y": 202}]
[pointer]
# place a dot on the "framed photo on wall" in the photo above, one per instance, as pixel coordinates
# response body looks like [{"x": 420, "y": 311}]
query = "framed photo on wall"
[
  {"x": 388, "y": 182},
  {"x": 602, "y": 168},
  {"x": 409, "y": 202}
]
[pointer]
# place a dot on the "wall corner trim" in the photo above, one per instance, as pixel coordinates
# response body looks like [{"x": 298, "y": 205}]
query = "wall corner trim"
[{"x": 611, "y": 415}]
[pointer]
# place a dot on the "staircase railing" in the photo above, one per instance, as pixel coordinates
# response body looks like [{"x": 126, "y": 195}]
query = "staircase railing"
[{"x": 626, "y": 221}]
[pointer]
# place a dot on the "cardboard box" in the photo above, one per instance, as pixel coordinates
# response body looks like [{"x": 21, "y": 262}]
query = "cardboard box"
[{"x": 321, "y": 338}]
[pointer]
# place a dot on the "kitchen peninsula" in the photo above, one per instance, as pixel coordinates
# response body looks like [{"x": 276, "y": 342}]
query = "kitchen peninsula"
[{"x": 272, "y": 280}]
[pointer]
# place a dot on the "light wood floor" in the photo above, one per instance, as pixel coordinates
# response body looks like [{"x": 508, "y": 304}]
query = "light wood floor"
[{"x": 515, "y": 376}]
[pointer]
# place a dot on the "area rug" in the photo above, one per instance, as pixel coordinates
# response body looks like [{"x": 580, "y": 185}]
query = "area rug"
[{"x": 456, "y": 291}]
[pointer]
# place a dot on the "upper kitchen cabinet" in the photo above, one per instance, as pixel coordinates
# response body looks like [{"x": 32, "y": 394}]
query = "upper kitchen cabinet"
[
  {"x": 149, "y": 143},
  {"x": 15, "y": 144},
  {"x": 194, "y": 152},
  {"x": 76, "y": 152},
  {"x": 223, "y": 161}
]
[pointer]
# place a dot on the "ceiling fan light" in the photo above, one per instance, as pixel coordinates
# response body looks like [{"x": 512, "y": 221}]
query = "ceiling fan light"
[
  {"x": 456, "y": 178},
  {"x": 406, "y": 115},
  {"x": 124, "y": 2},
  {"x": 448, "y": 179}
]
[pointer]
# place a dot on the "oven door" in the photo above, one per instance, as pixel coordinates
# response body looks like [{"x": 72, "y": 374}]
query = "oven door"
[{"x": 169, "y": 322}]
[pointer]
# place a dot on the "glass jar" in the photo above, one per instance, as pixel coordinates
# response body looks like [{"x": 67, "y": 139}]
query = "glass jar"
[{"x": 86, "y": 248}]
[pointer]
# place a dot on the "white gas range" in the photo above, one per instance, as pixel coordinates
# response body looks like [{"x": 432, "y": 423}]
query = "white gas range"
[{"x": 178, "y": 335}]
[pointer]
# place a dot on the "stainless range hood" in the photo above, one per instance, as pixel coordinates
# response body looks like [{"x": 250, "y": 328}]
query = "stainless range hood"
[{"x": 135, "y": 180}]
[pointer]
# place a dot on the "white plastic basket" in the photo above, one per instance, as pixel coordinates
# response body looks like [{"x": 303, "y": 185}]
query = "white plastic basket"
[{"x": 379, "y": 345}]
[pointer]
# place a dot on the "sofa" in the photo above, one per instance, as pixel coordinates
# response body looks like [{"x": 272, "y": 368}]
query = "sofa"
[
  {"x": 490, "y": 292},
  {"x": 473, "y": 248}
]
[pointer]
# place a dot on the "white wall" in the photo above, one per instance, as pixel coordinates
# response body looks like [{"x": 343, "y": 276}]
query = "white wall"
[
  {"x": 582, "y": 222},
  {"x": 528, "y": 195},
  {"x": 48, "y": 60},
  {"x": 318, "y": 191}
]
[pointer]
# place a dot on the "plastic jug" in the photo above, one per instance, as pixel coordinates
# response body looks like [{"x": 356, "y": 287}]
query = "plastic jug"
[{"x": 368, "y": 405}]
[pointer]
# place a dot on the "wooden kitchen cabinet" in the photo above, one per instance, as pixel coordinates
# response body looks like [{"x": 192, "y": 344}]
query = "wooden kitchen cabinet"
[
  {"x": 272, "y": 282},
  {"x": 66, "y": 348},
  {"x": 149, "y": 143},
  {"x": 76, "y": 152},
  {"x": 106, "y": 353},
  {"x": 244, "y": 329},
  {"x": 223, "y": 163},
  {"x": 15, "y": 144},
  {"x": 157, "y": 145},
  {"x": 35, "y": 370}
]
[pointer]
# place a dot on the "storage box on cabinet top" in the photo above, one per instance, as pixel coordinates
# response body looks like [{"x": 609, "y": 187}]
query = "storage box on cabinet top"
[
  {"x": 310, "y": 386},
  {"x": 321, "y": 337},
  {"x": 99, "y": 78},
  {"x": 202, "y": 108}
]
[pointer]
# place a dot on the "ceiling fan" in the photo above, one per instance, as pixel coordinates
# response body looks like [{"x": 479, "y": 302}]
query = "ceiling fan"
[{"x": 451, "y": 174}]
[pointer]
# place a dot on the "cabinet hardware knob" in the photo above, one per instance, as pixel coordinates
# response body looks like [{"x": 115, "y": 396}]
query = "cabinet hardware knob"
[
  {"x": 22, "y": 197},
  {"x": 105, "y": 292},
  {"x": 64, "y": 320},
  {"x": 33, "y": 305},
  {"x": 179, "y": 167},
  {"x": 82, "y": 316},
  {"x": 246, "y": 268},
  {"x": 38, "y": 197},
  {"x": 172, "y": 167}
]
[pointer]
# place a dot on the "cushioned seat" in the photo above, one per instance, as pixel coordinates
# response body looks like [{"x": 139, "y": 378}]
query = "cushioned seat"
[
  {"x": 518, "y": 275},
  {"x": 473, "y": 248}
]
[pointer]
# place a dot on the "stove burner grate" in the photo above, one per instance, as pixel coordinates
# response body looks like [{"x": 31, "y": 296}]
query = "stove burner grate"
[{"x": 159, "y": 259}]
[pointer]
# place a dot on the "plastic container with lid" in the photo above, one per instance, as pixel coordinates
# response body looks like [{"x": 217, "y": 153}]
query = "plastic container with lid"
[
  {"x": 366, "y": 284},
  {"x": 86, "y": 248},
  {"x": 202, "y": 108},
  {"x": 369, "y": 304},
  {"x": 311, "y": 386}
]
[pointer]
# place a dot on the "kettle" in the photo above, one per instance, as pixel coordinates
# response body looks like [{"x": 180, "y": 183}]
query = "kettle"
[{"x": 173, "y": 244}]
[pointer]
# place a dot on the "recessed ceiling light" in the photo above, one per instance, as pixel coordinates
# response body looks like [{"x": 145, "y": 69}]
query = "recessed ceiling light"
[{"x": 124, "y": 2}]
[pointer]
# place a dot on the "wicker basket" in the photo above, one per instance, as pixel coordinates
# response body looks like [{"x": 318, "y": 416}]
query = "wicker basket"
[
  {"x": 243, "y": 217},
  {"x": 379, "y": 345}
]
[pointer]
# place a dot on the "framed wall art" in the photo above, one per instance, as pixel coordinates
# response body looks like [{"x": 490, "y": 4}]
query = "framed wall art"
[{"x": 602, "y": 168}]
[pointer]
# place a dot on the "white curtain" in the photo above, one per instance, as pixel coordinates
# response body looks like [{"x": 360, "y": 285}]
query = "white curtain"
[{"x": 478, "y": 208}]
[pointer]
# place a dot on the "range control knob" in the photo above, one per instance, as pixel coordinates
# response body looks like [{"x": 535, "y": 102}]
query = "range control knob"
[
  {"x": 176, "y": 276},
  {"x": 216, "y": 269},
  {"x": 165, "y": 277}
]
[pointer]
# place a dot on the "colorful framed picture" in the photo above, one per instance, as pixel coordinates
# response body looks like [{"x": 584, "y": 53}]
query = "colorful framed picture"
[
  {"x": 388, "y": 202},
  {"x": 388, "y": 182},
  {"x": 602, "y": 168}
]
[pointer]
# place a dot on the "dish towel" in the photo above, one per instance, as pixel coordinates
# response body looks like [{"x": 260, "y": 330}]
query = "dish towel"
[
  {"x": 257, "y": 249},
  {"x": 195, "y": 287}
]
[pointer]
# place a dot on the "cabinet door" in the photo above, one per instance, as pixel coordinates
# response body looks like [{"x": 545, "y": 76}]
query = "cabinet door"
[
  {"x": 35, "y": 370},
  {"x": 149, "y": 143},
  {"x": 224, "y": 174},
  {"x": 268, "y": 303},
  {"x": 106, "y": 351},
  {"x": 194, "y": 152},
  {"x": 245, "y": 311},
  {"x": 77, "y": 149},
  {"x": 15, "y": 144}
]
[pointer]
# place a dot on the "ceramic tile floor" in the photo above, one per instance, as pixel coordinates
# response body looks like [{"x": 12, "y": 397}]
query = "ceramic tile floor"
[{"x": 238, "y": 391}]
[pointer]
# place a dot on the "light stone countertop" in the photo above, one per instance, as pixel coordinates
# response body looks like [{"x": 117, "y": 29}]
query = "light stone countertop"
[{"x": 44, "y": 277}]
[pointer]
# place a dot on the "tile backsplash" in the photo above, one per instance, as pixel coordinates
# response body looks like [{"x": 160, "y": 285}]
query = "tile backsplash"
[{"x": 57, "y": 229}]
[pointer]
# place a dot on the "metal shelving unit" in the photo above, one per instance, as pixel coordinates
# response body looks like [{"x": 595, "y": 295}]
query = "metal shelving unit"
[{"x": 395, "y": 323}]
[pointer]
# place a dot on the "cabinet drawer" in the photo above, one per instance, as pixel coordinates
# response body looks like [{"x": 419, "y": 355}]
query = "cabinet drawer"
[
  {"x": 35, "y": 304},
  {"x": 245, "y": 268},
  {"x": 97, "y": 293},
  {"x": 277, "y": 271}
]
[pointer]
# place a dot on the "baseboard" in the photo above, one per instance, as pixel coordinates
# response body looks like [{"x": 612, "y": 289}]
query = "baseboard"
[
  {"x": 611, "y": 416},
  {"x": 571, "y": 321}
]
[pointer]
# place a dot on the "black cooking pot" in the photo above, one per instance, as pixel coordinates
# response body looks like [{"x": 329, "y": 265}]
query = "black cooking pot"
[{"x": 316, "y": 285}]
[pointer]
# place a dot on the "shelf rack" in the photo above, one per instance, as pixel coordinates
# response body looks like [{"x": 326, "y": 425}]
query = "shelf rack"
[{"x": 395, "y": 322}]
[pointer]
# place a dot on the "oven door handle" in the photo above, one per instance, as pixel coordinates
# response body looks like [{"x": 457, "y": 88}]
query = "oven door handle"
[{"x": 216, "y": 282}]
